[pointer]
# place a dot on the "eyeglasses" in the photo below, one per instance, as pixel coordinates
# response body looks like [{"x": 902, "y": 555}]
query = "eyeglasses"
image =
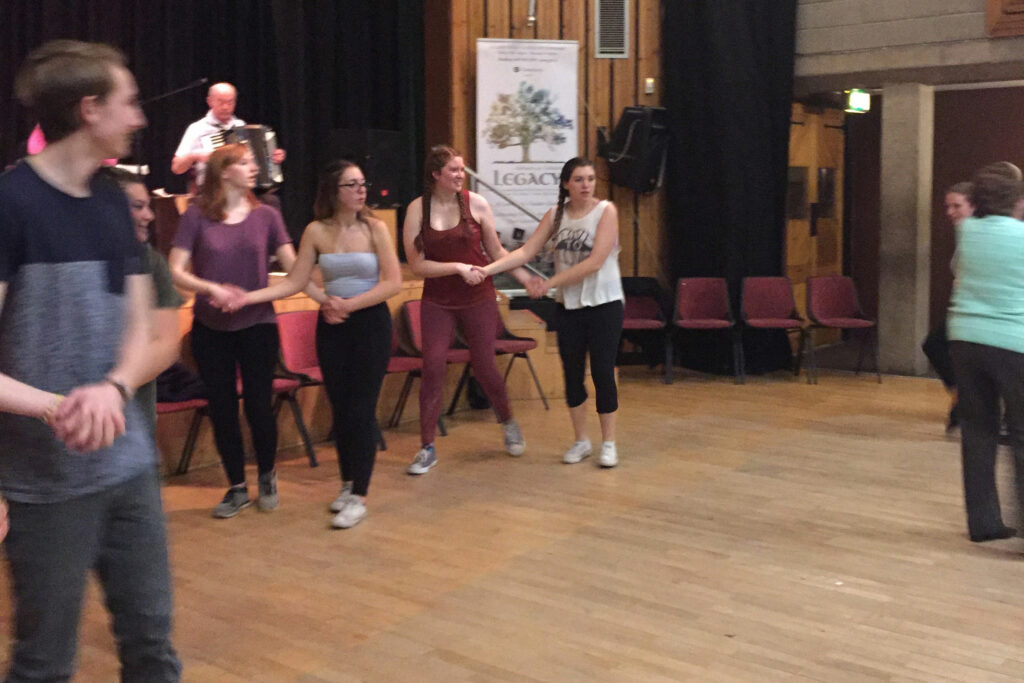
[{"x": 356, "y": 184}]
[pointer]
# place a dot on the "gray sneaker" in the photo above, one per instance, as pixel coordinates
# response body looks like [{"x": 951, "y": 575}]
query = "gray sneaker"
[
  {"x": 346, "y": 493},
  {"x": 424, "y": 460},
  {"x": 235, "y": 500},
  {"x": 350, "y": 515},
  {"x": 267, "y": 499},
  {"x": 515, "y": 444}
]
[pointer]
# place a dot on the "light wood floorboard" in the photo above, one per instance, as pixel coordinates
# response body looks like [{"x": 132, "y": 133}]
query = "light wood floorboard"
[{"x": 768, "y": 532}]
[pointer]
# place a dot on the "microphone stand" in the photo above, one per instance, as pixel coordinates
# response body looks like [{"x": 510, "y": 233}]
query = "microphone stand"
[{"x": 138, "y": 166}]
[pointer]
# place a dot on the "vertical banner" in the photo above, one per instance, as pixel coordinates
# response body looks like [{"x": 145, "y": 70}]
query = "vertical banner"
[{"x": 526, "y": 129}]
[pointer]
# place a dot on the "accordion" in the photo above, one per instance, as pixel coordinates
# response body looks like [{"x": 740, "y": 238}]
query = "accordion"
[{"x": 262, "y": 140}]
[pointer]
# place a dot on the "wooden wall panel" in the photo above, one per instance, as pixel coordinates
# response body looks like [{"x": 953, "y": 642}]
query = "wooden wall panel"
[
  {"x": 653, "y": 259},
  {"x": 623, "y": 94},
  {"x": 497, "y": 19},
  {"x": 605, "y": 86},
  {"x": 548, "y": 20},
  {"x": 518, "y": 25}
]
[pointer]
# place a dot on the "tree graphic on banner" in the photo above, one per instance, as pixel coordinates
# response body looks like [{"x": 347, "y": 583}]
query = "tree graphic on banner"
[{"x": 524, "y": 117}]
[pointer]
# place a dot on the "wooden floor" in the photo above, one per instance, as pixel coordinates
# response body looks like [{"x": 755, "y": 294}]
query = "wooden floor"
[{"x": 769, "y": 532}]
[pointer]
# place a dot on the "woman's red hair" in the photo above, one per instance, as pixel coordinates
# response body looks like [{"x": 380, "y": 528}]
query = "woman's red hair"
[{"x": 212, "y": 197}]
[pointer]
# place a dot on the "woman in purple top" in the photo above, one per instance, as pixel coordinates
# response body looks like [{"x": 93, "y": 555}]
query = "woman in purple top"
[{"x": 229, "y": 238}]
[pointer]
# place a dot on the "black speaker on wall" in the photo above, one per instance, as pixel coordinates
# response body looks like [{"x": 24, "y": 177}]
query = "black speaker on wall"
[
  {"x": 637, "y": 149},
  {"x": 382, "y": 156}
]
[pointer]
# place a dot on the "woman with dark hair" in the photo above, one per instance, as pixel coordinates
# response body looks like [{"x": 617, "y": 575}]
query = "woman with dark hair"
[
  {"x": 446, "y": 233},
  {"x": 229, "y": 238},
  {"x": 986, "y": 332},
  {"x": 584, "y": 231},
  {"x": 353, "y": 334}
]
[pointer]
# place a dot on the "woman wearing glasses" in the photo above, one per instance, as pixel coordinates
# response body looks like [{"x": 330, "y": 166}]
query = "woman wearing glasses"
[
  {"x": 353, "y": 334},
  {"x": 446, "y": 232}
]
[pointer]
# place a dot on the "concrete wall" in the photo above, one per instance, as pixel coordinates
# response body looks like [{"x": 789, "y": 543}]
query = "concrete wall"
[{"x": 866, "y": 43}]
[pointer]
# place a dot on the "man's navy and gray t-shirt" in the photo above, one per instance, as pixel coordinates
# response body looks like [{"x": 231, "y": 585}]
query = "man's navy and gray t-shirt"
[{"x": 65, "y": 260}]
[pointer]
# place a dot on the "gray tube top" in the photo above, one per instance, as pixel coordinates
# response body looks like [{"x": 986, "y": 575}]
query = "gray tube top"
[{"x": 347, "y": 274}]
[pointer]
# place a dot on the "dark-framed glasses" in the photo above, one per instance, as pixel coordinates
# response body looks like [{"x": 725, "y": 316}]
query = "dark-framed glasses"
[{"x": 355, "y": 184}]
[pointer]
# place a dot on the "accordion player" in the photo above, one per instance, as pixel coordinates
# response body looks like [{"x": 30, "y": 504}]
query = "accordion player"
[{"x": 262, "y": 140}]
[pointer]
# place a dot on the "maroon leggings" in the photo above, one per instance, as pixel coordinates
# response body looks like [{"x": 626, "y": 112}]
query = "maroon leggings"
[{"x": 438, "y": 329}]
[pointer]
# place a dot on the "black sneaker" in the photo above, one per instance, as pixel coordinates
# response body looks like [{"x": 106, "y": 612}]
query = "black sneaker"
[{"x": 235, "y": 500}]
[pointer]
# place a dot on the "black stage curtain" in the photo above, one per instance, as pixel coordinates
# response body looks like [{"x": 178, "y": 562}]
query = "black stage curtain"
[
  {"x": 728, "y": 90},
  {"x": 303, "y": 68}
]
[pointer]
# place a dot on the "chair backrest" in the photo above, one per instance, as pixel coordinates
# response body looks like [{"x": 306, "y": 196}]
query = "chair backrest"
[
  {"x": 832, "y": 296},
  {"x": 702, "y": 298},
  {"x": 642, "y": 307},
  {"x": 412, "y": 313},
  {"x": 768, "y": 297},
  {"x": 298, "y": 339}
]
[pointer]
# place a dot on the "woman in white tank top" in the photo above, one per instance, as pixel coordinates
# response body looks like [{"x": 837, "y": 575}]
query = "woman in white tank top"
[{"x": 583, "y": 231}]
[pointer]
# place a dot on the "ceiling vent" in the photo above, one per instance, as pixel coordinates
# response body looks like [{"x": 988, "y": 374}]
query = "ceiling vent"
[{"x": 611, "y": 21}]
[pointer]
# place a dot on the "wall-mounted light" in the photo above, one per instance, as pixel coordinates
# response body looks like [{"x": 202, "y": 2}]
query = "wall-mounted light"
[{"x": 857, "y": 101}]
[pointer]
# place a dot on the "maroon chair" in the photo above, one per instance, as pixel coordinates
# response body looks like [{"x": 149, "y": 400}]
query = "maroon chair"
[
  {"x": 767, "y": 303},
  {"x": 412, "y": 313},
  {"x": 644, "y": 316},
  {"x": 702, "y": 303},
  {"x": 300, "y": 368},
  {"x": 198, "y": 405},
  {"x": 832, "y": 303},
  {"x": 297, "y": 331},
  {"x": 412, "y": 366}
]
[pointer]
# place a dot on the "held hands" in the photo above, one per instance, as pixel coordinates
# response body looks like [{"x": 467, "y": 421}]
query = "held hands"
[
  {"x": 227, "y": 297},
  {"x": 537, "y": 287},
  {"x": 336, "y": 310},
  {"x": 90, "y": 418},
  {"x": 473, "y": 275}
]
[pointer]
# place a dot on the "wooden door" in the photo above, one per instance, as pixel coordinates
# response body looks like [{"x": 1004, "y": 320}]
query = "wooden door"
[{"x": 814, "y": 205}]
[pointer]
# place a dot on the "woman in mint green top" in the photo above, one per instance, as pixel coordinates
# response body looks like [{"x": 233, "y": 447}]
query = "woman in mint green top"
[{"x": 986, "y": 333}]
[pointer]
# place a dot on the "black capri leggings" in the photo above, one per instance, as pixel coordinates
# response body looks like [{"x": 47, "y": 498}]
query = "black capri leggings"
[{"x": 593, "y": 329}]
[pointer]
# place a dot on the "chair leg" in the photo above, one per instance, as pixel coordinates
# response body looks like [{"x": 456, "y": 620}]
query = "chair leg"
[
  {"x": 737, "y": 358},
  {"x": 668, "y": 357},
  {"x": 403, "y": 395},
  {"x": 798, "y": 361},
  {"x": 508, "y": 368},
  {"x": 860, "y": 351},
  {"x": 190, "y": 441},
  {"x": 463, "y": 380},
  {"x": 293, "y": 403},
  {"x": 812, "y": 362},
  {"x": 878, "y": 364},
  {"x": 441, "y": 427},
  {"x": 536, "y": 380},
  {"x": 381, "y": 443}
]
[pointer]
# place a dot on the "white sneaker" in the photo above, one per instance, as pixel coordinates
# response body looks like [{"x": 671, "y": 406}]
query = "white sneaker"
[
  {"x": 424, "y": 460},
  {"x": 577, "y": 452},
  {"x": 515, "y": 444},
  {"x": 346, "y": 493},
  {"x": 350, "y": 515},
  {"x": 609, "y": 456}
]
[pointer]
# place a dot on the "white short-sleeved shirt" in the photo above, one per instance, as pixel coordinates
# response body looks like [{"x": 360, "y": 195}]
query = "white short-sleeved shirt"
[{"x": 191, "y": 141}]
